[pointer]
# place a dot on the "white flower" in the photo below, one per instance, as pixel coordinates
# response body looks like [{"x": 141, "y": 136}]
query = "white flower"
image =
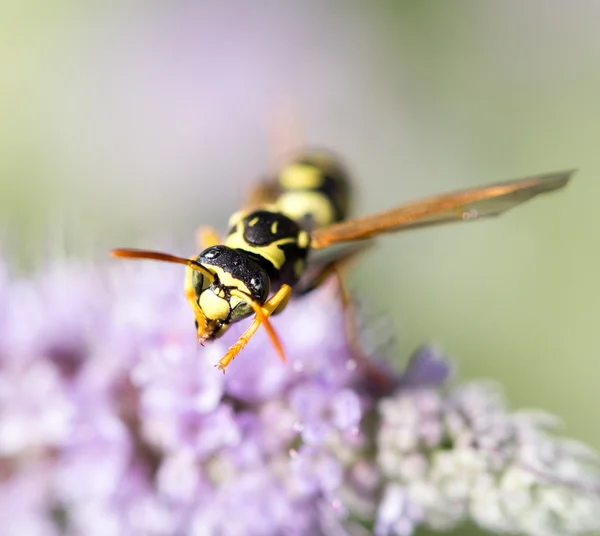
[{"x": 461, "y": 455}]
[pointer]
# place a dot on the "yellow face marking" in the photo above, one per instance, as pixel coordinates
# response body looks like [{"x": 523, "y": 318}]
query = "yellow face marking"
[
  {"x": 274, "y": 227},
  {"x": 213, "y": 303},
  {"x": 253, "y": 221},
  {"x": 296, "y": 176},
  {"x": 214, "y": 307},
  {"x": 228, "y": 280},
  {"x": 220, "y": 292},
  {"x": 296, "y": 205}
]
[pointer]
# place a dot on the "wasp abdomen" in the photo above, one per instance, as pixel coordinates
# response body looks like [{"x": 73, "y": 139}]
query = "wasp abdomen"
[{"x": 314, "y": 189}]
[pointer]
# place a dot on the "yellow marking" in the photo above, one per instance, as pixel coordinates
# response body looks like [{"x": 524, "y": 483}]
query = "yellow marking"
[
  {"x": 253, "y": 221},
  {"x": 220, "y": 292},
  {"x": 271, "y": 251},
  {"x": 236, "y": 217},
  {"x": 296, "y": 205},
  {"x": 213, "y": 307},
  {"x": 274, "y": 227},
  {"x": 298, "y": 176},
  {"x": 303, "y": 239},
  {"x": 234, "y": 302},
  {"x": 227, "y": 279}
]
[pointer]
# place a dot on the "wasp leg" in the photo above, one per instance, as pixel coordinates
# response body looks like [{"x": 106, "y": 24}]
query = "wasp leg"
[
  {"x": 190, "y": 294},
  {"x": 334, "y": 269},
  {"x": 347, "y": 306},
  {"x": 275, "y": 303},
  {"x": 206, "y": 237},
  {"x": 373, "y": 374}
]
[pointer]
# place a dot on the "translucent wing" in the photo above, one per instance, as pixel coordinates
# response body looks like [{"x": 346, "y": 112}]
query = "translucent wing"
[
  {"x": 470, "y": 204},
  {"x": 261, "y": 193},
  {"x": 286, "y": 138}
]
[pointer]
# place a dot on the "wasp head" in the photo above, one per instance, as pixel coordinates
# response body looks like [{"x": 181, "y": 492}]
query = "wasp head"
[{"x": 226, "y": 270}]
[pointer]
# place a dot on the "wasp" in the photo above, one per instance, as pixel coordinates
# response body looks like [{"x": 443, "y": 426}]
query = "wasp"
[{"x": 261, "y": 261}]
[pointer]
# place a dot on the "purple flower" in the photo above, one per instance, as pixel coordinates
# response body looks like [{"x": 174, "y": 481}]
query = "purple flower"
[{"x": 114, "y": 422}]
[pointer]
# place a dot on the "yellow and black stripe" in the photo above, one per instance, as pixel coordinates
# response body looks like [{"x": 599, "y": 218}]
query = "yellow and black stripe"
[
  {"x": 274, "y": 241},
  {"x": 313, "y": 189}
]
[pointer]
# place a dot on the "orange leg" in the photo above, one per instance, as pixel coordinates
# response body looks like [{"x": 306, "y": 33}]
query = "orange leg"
[
  {"x": 276, "y": 303},
  {"x": 335, "y": 269},
  {"x": 347, "y": 307},
  {"x": 372, "y": 373}
]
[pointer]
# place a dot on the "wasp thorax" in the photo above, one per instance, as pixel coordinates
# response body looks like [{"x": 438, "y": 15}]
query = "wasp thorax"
[
  {"x": 229, "y": 269},
  {"x": 273, "y": 240}
]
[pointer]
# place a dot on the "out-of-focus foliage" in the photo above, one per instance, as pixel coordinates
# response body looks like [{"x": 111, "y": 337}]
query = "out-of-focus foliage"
[{"x": 135, "y": 122}]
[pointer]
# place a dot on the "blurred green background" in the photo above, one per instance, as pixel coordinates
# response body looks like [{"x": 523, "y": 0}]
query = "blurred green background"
[{"x": 130, "y": 123}]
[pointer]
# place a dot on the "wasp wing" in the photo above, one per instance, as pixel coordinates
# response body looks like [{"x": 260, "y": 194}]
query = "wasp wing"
[
  {"x": 286, "y": 137},
  {"x": 470, "y": 204},
  {"x": 261, "y": 193}
]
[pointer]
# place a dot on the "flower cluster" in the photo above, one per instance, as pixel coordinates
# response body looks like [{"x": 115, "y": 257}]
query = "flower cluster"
[
  {"x": 460, "y": 455},
  {"x": 114, "y": 421}
]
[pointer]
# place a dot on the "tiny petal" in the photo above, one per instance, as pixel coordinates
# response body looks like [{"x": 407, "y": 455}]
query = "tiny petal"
[
  {"x": 499, "y": 469},
  {"x": 346, "y": 409},
  {"x": 428, "y": 367},
  {"x": 394, "y": 514}
]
